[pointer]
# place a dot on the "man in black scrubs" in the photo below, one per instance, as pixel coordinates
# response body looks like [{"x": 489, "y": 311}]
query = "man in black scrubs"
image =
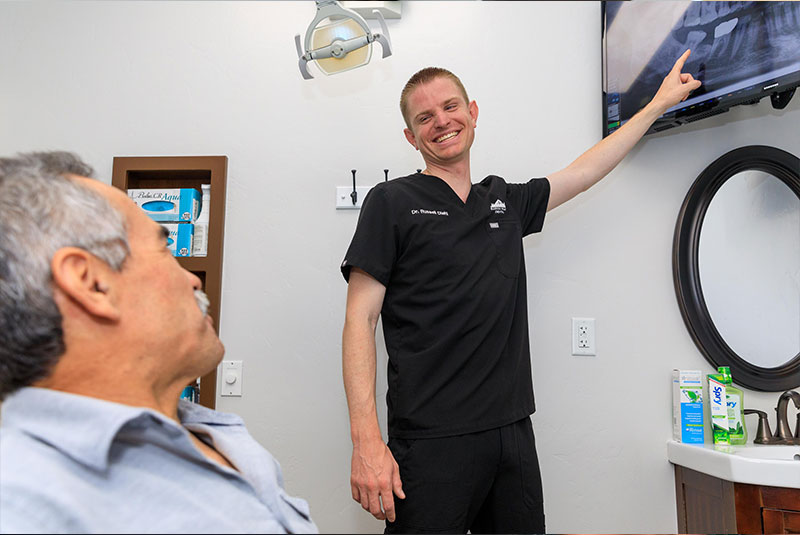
[{"x": 441, "y": 260}]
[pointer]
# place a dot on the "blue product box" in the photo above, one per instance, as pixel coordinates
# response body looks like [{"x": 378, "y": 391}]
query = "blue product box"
[
  {"x": 177, "y": 204},
  {"x": 180, "y": 238},
  {"x": 687, "y": 406}
]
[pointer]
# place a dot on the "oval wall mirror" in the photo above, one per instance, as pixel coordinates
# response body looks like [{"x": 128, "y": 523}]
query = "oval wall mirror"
[{"x": 736, "y": 266}]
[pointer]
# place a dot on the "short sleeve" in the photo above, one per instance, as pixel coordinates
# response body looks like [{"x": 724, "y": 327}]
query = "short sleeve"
[
  {"x": 374, "y": 245},
  {"x": 530, "y": 199}
]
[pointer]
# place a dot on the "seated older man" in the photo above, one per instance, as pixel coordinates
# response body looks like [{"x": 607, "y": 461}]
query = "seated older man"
[{"x": 100, "y": 330}]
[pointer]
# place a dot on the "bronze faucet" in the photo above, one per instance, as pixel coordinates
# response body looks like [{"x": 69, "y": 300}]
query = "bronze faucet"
[
  {"x": 764, "y": 433},
  {"x": 784, "y": 433}
]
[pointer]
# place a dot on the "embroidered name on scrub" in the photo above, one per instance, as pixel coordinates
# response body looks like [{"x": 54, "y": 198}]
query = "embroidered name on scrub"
[{"x": 429, "y": 212}]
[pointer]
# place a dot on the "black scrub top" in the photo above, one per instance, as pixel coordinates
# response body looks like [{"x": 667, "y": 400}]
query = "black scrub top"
[{"x": 454, "y": 315}]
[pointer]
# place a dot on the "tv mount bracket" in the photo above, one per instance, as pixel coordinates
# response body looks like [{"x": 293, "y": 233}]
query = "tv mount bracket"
[{"x": 781, "y": 99}]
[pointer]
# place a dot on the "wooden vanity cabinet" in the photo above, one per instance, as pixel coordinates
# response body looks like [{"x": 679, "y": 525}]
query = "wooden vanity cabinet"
[{"x": 707, "y": 504}]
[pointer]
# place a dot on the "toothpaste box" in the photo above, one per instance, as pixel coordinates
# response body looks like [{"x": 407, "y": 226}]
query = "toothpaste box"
[
  {"x": 180, "y": 238},
  {"x": 687, "y": 406},
  {"x": 168, "y": 204},
  {"x": 718, "y": 408}
]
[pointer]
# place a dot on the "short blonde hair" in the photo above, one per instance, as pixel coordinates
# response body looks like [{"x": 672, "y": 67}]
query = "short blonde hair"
[{"x": 424, "y": 76}]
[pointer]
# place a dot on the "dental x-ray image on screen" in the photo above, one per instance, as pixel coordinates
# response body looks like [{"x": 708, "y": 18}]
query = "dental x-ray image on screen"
[{"x": 741, "y": 51}]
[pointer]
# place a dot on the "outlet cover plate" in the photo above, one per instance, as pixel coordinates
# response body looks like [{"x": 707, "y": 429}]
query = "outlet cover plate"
[{"x": 583, "y": 337}]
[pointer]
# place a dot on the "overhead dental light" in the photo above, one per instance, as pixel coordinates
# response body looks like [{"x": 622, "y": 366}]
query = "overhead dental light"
[{"x": 339, "y": 39}]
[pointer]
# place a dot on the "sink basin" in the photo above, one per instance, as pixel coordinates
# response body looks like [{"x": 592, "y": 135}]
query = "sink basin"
[
  {"x": 774, "y": 466},
  {"x": 769, "y": 453}
]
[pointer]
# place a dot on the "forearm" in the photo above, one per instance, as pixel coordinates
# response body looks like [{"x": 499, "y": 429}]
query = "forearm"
[
  {"x": 374, "y": 474},
  {"x": 358, "y": 369},
  {"x": 602, "y": 158},
  {"x": 597, "y": 162}
]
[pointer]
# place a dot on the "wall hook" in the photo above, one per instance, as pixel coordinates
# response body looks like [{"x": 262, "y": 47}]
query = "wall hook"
[
  {"x": 386, "y": 175},
  {"x": 354, "y": 193}
]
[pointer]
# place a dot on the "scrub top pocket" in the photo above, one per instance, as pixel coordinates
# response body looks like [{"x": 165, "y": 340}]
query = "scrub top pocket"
[{"x": 506, "y": 234}]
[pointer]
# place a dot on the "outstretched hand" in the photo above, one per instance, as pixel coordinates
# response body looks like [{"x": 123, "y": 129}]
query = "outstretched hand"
[{"x": 676, "y": 85}]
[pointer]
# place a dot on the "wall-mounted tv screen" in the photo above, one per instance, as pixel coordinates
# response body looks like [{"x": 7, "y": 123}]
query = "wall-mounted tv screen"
[{"x": 741, "y": 51}]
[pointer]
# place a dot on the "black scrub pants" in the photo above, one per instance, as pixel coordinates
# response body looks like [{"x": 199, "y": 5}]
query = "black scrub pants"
[{"x": 486, "y": 482}]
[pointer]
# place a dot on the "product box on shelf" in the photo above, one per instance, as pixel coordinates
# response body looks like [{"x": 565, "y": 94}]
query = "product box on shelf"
[
  {"x": 176, "y": 204},
  {"x": 180, "y": 238}
]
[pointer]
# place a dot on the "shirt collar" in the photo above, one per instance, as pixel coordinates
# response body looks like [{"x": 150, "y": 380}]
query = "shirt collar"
[
  {"x": 194, "y": 413},
  {"x": 84, "y": 427}
]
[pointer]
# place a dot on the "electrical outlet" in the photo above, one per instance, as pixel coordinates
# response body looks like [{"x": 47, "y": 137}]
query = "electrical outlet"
[{"x": 583, "y": 336}]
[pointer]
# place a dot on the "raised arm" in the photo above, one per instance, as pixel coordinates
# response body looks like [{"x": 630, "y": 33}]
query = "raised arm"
[
  {"x": 374, "y": 474},
  {"x": 597, "y": 162}
]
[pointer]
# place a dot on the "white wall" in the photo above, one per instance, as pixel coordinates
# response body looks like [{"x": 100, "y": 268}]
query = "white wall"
[{"x": 112, "y": 79}]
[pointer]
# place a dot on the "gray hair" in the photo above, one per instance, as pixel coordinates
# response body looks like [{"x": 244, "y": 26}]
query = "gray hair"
[{"x": 41, "y": 211}]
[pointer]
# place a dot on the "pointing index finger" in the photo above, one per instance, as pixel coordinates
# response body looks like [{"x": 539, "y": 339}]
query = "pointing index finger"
[{"x": 681, "y": 60}]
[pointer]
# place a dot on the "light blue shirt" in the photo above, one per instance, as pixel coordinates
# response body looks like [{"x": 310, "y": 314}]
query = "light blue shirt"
[{"x": 71, "y": 463}]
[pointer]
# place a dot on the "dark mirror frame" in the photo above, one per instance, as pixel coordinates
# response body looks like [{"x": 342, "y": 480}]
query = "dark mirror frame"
[{"x": 686, "y": 274}]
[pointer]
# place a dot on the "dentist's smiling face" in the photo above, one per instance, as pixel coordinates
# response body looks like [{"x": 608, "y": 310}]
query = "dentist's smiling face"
[{"x": 442, "y": 122}]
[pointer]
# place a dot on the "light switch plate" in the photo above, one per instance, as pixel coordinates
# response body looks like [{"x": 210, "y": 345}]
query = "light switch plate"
[{"x": 231, "y": 378}]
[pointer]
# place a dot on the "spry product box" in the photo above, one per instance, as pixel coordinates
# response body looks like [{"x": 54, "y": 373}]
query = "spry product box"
[
  {"x": 718, "y": 405},
  {"x": 180, "y": 238},
  {"x": 168, "y": 204},
  {"x": 687, "y": 406}
]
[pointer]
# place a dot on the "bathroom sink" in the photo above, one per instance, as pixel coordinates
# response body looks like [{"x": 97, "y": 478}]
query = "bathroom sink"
[
  {"x": 769, "y": 453},
  {"x": 774, "y": 466}
]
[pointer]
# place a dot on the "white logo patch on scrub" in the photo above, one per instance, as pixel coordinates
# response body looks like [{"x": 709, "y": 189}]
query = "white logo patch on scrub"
[
  {"x": 494, "y": 225},
  {"x": 498, "y": 207}
]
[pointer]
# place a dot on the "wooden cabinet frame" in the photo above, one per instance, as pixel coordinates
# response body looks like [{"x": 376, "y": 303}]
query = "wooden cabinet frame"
[
  {"x": 188, "y": 172},
  {"x": 707, "y": 504}
]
